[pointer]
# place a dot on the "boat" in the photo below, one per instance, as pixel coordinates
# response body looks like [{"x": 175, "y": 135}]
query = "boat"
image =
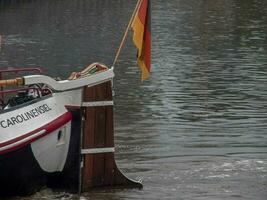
[
  {"x": 59, "y": 133},
  {"x": 42, "y": 128},
  {"x": 39, "y": 128}
]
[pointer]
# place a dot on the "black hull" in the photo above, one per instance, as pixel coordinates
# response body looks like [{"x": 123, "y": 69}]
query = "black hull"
[{"x": 21, "y": 175}]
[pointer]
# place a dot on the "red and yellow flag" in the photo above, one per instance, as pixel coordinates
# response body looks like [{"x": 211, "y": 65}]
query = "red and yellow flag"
[{"x": 141, "y": 26}]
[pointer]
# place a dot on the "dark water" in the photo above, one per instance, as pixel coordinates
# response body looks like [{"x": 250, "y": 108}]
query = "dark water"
[{"x": 197, "y": 129}]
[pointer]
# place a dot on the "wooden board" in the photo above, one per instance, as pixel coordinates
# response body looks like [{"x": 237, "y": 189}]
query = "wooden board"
[{"x": 100, "y": 169}]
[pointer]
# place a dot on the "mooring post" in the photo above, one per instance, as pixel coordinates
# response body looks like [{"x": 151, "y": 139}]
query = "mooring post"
[{"x": 99, "y": 167}]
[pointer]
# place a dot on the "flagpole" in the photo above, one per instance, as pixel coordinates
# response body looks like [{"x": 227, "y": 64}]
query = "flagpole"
[{"x": 126, "y": 32}]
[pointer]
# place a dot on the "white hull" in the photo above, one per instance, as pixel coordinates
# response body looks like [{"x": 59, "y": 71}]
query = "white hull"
[
  {"x": 40, "y": 138},
  {"x": 44, "y": 124}
]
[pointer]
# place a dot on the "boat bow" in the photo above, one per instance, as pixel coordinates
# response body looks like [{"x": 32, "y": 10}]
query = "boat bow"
[{"x": 89, "y": 80}]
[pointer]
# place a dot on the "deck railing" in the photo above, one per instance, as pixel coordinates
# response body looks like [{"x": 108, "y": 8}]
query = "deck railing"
[{"x": 12, "y": 70}]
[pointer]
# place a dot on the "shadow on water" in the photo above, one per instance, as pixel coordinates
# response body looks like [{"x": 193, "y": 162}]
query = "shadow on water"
[{"x": 197, "y": 128}]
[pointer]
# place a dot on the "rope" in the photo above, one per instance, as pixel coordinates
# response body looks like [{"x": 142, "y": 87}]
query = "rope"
[
  {"x": 91, "y": 69},
  {"x": 126, "y": 32}
]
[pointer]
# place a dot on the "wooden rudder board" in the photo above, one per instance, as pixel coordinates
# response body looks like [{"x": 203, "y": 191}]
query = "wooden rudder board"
[{"x": 99, "y": 167}]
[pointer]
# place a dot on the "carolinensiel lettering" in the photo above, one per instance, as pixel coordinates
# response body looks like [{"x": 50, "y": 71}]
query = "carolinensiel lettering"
[{"x": 25, "y": 116}]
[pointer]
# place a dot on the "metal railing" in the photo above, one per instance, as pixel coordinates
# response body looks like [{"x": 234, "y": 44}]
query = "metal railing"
[{"x": 12, "y": 70}]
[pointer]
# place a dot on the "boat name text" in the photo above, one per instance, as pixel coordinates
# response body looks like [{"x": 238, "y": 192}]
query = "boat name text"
[{"x": 25, "y": 116}]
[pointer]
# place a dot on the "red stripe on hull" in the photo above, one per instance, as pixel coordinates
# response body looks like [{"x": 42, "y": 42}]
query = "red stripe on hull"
[
  {"x": 49, "y": 128},
  {"x": 70, "y": 107}
]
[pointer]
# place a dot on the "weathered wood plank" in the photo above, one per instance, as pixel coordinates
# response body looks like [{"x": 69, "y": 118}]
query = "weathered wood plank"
[
  {"x": 98, "y": 132},
  {"x": 88, "y": 140}
]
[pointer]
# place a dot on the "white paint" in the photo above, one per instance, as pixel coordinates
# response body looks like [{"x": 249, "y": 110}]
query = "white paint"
[
  {"x": 50, "y": 152},
  {"x": 71, "y": 97},
  {"x": 22, "y": 141},
  {"x": 98, "y": 150},
  {"x": 97, "y": 103},
  {"x": 20, "y": 129},
  {"x": 64, "y": 85}
]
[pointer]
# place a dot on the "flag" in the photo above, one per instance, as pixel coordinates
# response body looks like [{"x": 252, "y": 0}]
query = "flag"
[{"x": 141, "y": 26}]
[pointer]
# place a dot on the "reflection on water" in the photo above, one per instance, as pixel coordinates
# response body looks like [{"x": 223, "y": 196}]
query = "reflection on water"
[{"x": 197, "y": 128}]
